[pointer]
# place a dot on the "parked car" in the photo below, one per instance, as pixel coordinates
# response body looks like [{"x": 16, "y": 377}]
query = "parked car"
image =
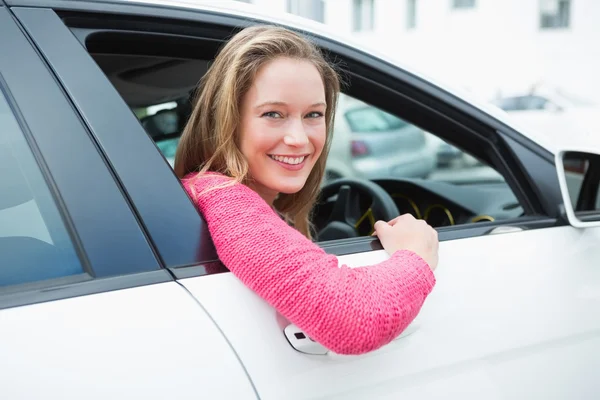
[
  {"x": 371, "y": 143},
  {"x": 110, "y": 286},
  {"x": 551, "y": 110}
]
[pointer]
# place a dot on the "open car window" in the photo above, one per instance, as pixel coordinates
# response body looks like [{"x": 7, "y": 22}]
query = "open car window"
[{"x": 425, "y": 175}]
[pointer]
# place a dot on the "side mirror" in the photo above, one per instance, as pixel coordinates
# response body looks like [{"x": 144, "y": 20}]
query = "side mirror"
[{"x": 579, "y": 179}]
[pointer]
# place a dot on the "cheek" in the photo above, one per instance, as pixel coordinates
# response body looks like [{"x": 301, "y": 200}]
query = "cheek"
[
  {"x": 253, "y": 139},
  {"x": 318, "y": 136}
]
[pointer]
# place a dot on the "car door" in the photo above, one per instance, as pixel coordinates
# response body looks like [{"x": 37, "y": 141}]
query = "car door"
[
  {"x": 86, "y": 309},
  {"x": 513, "y": 314}
]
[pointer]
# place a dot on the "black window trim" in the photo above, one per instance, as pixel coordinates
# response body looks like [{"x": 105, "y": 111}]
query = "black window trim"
[
  {"x": 497, "y": 133},
  {"x": 81, "y": 78},
  {"x": 29, "y": 88}
]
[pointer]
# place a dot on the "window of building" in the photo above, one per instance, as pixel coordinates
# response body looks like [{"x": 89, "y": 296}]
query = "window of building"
[
  {"x": 363, "y": 15},
  {"x": 555, "y": 14},
  {"x": 463, "y": 4},
  {"x": 34, "y": 242},
  {"x": 411, "y": 14},
  {"x": 311, "y": 9}
]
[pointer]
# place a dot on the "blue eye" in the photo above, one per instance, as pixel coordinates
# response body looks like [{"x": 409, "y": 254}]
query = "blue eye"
[
  {"x": 272, "y": 114},
  {"x": 314, "y": 114}
]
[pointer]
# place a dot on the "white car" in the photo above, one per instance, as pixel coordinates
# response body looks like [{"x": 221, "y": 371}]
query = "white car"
[
  {"x": 110, "y": 286},
  {"x": 551, "y": 111}
]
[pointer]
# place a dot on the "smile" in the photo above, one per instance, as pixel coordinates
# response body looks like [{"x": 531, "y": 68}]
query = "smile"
[{"x": 287, "y": 159}]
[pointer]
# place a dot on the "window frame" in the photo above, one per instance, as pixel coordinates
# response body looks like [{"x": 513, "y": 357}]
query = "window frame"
[
  {"x": 433, "y": 105},
  {"x": 30, "y": 87}
]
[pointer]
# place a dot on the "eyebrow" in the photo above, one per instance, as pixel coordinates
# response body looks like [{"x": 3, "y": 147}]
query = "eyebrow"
[{"x": 281, "y": 103}]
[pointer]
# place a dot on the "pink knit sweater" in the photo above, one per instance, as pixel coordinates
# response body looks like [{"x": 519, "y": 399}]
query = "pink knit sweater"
[{"x": 347, "y": 310}]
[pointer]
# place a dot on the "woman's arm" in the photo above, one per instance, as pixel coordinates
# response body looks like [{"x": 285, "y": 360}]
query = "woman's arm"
[{"x": 347, "y": 310}]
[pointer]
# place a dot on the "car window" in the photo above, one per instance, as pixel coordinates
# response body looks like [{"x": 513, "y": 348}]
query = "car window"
[
  {"x": 162, "y": 122},
  {"x": 426, "y": 176},
  {"x": 34, "y": 242},
  {"x": 533, "y": 103},
  {"x": 366, "y": 119},
  {"x": 369, "y": 143}
]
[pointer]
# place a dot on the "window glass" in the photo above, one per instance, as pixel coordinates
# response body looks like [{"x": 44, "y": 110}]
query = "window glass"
[
  {"x": 555, "y": 14},
  {"x": 425, "y": 175},
  {"x": 370, "y": 119},
  {"x": 312, "y": 9},
  {"x": 411, "y": 14},
  {"x": 363, "y": 15},
  {"x": 34, "y": 243},
  {"x": 463, "y": 3}
]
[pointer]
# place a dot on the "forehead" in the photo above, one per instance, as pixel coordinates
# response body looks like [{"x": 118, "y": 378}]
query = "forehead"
[{"x": 286, "y": 76}]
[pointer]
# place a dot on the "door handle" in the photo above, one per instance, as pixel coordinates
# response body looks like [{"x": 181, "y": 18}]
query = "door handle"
[{"x": 304, "y": 344}]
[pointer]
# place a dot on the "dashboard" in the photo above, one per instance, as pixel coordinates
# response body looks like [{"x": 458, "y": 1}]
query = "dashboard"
[
  {"x": 446, "y": 204},
  {"x": 441, "y": 204}
]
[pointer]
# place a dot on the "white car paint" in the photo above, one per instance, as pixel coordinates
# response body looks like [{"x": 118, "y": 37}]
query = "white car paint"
[
  {"x": 513, "y": 316},
  {"x": 500, "y": 324},
  {"x": 150, "y": 342}
]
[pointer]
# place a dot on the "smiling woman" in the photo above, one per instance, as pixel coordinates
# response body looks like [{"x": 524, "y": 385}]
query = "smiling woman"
[
  {"x": 282, "y": 140},
  {"x": 260, "y": 155},
  {"x": 269, "y": 89}
]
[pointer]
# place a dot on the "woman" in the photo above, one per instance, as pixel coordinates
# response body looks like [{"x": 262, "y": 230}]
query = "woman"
[{"x": 252, "y": 157}]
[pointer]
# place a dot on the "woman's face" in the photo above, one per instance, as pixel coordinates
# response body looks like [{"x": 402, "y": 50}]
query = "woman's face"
[{"x": 282, "y": 131}]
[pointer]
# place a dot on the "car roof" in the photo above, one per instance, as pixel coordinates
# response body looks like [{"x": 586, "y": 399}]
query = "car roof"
[{"x": 248, "y": 11}]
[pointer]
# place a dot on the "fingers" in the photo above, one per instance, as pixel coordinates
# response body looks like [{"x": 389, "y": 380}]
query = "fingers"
[{"x": 403, "y": 217}]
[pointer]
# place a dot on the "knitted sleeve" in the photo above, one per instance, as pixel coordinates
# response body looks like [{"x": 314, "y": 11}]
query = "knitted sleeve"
[{"x": 347, "y": 310}]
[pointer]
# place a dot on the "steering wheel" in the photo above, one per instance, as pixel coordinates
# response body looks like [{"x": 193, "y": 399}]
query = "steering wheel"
[{"x": 346, "y": 215}]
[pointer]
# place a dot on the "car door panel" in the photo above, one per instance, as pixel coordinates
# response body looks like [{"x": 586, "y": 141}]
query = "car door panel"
[
  {"x": 503, "y": 306},
  {"x": 150, "y": 342},
  {"x": 127, "y": 330}
]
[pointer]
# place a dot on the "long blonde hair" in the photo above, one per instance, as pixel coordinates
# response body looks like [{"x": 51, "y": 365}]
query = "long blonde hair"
[{"x": 210, "y": 138}]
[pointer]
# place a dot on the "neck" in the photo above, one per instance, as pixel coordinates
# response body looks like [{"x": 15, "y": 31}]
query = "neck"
[{"x": 268, "y": 196}]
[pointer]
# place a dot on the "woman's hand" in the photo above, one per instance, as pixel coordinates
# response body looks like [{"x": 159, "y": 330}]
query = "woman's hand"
[{"x": 407, "y": 233}]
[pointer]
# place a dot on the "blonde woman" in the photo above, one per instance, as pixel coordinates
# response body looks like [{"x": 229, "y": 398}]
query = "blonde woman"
[{"x": 252, "y": 157}]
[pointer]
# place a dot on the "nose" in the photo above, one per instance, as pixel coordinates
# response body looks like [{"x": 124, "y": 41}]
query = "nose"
[{"x": 296, "y": 135}]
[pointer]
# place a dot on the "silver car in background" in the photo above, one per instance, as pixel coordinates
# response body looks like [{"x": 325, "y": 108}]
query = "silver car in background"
[{"x": 370, "y": 143}]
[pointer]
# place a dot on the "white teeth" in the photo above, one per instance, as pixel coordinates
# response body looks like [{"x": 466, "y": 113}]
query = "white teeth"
[{"x": 288, "y": 160}]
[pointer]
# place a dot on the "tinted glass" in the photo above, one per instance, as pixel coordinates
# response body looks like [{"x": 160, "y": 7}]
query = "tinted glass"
[{"x": 34, "y": 242}]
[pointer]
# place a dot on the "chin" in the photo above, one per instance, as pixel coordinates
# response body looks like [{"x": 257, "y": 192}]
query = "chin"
[{"x": 291, "y": 186}]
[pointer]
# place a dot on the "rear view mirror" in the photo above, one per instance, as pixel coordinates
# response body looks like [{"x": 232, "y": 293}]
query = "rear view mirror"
[{"x": 579, "y": 179}]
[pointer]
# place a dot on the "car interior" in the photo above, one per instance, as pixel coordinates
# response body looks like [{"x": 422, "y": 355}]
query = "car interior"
[{"x": 348, "y": 206}]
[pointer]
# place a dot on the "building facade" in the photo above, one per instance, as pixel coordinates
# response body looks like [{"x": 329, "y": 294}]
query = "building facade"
[{"x": 486, "y": 46}]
